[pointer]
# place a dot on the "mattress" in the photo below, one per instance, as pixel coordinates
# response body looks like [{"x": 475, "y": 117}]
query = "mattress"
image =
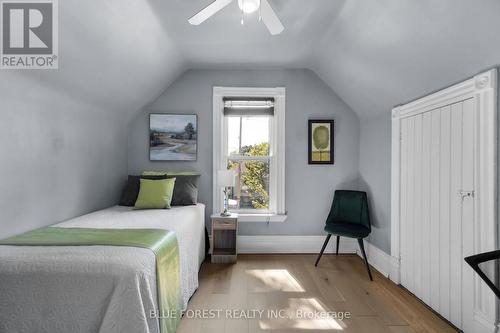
[{"x": 97, "y": 288}]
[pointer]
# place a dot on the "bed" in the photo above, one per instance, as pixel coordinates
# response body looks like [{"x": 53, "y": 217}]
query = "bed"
[{"x": 97, "y": 288}]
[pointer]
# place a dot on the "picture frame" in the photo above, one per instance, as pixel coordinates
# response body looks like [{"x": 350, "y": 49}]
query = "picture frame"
[
  {"x": 321, "y": 146},
  {"x": 173, "y": 137}
]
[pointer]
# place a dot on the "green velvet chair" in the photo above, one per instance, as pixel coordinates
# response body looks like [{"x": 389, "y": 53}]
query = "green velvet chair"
[{"x": 349, "y": 217}]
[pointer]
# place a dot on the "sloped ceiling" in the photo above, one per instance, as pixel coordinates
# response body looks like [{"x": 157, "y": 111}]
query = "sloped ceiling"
[
  {"x": 373, "y": 54},
  {"x": 222, "y": 41},
  {"x": 113, "y": 54},
  {"x": 381, "y": 53}
]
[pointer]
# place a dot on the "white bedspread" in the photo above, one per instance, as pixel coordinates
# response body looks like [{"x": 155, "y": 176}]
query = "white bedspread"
[{"x": 96, "y": 288}]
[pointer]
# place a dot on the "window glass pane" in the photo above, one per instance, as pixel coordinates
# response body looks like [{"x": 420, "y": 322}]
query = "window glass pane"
[
  {"x": 233, "y": 135},
  {"x": 248, "y": 136},
  {"x": 252, "y": 185},
  {"x": 255, "y": 136}
]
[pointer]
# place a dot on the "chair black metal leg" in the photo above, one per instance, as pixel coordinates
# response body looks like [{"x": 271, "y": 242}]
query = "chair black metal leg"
[
  {"x": 362, "y": 247},
  {"x": 323, "y": 249},
  {"x": 338, "y": 243}
]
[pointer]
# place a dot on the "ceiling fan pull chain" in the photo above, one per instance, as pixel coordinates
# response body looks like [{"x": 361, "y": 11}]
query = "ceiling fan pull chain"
[{"x": 260, "y": 11}]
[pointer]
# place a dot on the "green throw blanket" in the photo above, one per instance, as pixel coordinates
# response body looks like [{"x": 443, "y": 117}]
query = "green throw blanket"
[{"x": 162, "y": 242}]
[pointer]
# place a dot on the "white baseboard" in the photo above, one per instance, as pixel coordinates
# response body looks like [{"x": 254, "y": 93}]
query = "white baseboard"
[
  {"x": 482, "y": 324},
  {"x": 394, "y": 273},
  {"x": 292, "y": 244},
  {"x": 377, "y": 258},
  {"x": 380, "y": 260}
]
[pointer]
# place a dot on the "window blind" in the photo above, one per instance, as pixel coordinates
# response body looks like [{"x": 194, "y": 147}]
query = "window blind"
[{"x": 245, "y": 106}]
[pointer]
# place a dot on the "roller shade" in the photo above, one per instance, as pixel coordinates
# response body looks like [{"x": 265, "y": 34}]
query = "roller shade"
[{"x": 245, "y": 106}]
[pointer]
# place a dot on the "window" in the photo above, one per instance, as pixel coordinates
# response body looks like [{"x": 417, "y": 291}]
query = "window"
[
  {"x": 248, "y": 154},
  {"x": 249, "y": 139}
]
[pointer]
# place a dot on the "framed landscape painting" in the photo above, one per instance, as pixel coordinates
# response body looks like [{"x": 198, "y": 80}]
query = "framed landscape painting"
[
  {"x": 321, "y": 147},
  {"x": 173, "y": 137}
]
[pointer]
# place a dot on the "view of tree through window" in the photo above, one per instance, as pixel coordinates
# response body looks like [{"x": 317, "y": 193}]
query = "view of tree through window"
[{"x": 248, "y": 150}]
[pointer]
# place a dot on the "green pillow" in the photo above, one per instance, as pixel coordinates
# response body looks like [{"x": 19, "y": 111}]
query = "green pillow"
[{"x": 155, "y": 194}]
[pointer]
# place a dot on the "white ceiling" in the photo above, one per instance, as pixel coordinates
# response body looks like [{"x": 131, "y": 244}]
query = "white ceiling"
[
  {"x": 381, "y": 53},
  {"x": 222, "y": 41},
  {"x": 114, "y": 55},
  {"x": 373, "y": 53}
]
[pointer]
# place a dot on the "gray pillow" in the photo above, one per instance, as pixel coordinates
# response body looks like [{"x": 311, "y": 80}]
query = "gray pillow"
[{"x": 185, "y": 190}]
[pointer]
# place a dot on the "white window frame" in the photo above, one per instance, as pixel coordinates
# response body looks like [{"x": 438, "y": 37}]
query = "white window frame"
[{"x": 277, "y": 208}]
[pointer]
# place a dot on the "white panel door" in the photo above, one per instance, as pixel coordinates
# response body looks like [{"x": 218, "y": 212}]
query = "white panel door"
[
  {"x": 444, "y": 199},
  {"x": 437, "y": 209}
]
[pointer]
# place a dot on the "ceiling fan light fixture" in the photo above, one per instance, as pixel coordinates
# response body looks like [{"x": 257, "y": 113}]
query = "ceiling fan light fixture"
[
  {"x": 266, "y": 13},
  {"x": 249, "y": 6}
]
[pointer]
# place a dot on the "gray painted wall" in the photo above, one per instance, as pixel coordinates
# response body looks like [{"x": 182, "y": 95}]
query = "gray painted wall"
[
  {"x": 375, "y": 176},
  {"x": 60, "y": 158},
  {"x": 309, "y": 189},
  {"x": 63, "y": 132}
]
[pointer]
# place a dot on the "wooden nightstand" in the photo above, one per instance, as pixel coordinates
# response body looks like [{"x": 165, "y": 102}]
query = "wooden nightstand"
[{"x": 224, "y": 236}]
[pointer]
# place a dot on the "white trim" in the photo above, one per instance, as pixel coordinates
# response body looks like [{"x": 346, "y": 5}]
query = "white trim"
[
  {"x": 485, "y": 230},
  {"x": 377, "y": 258},
  {"x": 249, "y": 158},
  {"x": 261, "y": 217},
  {"x": 277, "y": 166},
  {"x": 483, "y": 88},
  {"x": 395, "y": 187},
  {"x": 264, "y": 244},
  {"x": 394, "y": 269},
  {"x": 450, "y": 95},
  {"x": 293, "y": 244},
  {"x": 484, "y": 325},
  {"x": 282, "y": 244},
  {"x": 249, "y": 91}
]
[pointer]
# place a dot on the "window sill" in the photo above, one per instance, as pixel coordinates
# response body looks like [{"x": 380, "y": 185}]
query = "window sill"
[{"x": 261, "y": 218}]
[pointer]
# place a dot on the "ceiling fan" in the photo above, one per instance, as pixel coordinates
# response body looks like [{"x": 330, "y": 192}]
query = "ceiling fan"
[{"x": 266, "y": 13}]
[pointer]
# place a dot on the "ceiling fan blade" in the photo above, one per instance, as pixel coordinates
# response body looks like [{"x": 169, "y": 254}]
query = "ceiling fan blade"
[
  {"x": 270, "y": 18},
  {"x": 208, "y": 11}
]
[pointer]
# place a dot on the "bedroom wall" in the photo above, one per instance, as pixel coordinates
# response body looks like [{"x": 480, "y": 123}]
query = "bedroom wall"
[
  {"x": 63, "y": 132},
  {"x": 309, "y": 189},
  {"x": 60, "y": 158},
  {"x": 375, "y": 176}
]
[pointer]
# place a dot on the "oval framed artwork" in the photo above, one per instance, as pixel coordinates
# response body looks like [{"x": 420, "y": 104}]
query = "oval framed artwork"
[{"x": 320, "y": 141}]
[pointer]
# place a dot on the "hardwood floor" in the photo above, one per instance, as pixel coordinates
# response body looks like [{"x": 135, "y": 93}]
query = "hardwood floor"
[{"x": 286, "y": 293}]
